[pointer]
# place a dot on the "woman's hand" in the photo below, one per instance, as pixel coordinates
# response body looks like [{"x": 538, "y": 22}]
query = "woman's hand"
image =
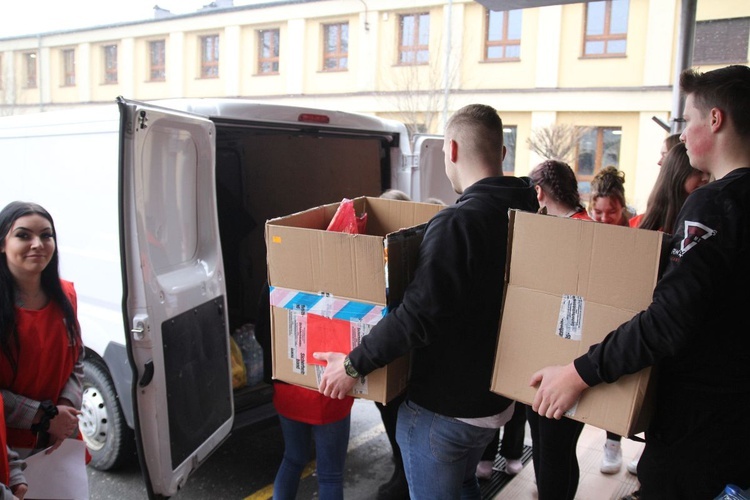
[
  {"x": 63, "y": 426},
  {"x": 19, "y": 490}
]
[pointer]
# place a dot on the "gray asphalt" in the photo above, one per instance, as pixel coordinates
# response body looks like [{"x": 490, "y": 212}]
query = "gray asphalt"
[{"x": 245, "y": 465}]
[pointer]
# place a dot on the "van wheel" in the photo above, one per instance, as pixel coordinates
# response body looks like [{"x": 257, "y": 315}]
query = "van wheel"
[{"x": 108, "y": 438}]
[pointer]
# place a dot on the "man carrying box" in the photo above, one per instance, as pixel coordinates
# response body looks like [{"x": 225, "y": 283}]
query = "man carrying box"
[
  {"x": 449, "y": 318},
  {"x": 697, "y": 329}
]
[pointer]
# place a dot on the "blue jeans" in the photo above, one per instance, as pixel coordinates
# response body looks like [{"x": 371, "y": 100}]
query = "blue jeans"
[
  {"x": 331, "y": 441},
  {"x": 440, "y": 453}
]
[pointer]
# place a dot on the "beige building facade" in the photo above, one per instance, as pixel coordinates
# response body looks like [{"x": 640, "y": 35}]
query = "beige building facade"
[{"x": 605, "y": 67}]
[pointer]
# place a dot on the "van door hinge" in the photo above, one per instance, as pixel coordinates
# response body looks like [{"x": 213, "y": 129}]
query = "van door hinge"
[{"x": 142, "y": 119}]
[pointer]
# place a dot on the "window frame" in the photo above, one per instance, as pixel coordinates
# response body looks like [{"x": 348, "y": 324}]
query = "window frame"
[
  {"x": 503, "y": 42},
  {"x": 110, "y": 64},
  {"x": 598, "y": 156},
  {"x": 209, "y": 56},
  {"x": 606, "y": 37},
  {"x": 509, "y": 167},
  {"x": 31, "y": 80},
  {"x": 68, "y": 59},
  {"x": 274, "y": 48},
  {"x": 339, "y": 56},
  {"x": 157, "y": 66},
  {"x": 414, "y": 48}
]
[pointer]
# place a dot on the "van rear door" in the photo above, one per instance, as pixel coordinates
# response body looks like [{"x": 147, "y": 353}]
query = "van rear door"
[
  {"x": 433, "y": 182},
  {"x": 174, "y": 293}
]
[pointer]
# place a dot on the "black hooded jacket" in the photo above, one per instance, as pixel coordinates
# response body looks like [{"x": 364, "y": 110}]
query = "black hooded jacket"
[
  {"x": 697, "y": 328},
  {"x": 450, "y": 311}
]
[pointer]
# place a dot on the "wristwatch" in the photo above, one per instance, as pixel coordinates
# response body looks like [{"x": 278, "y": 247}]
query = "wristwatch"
[
  {"x": 50, "y": 412},
  {"x": 350, "y": 370}
]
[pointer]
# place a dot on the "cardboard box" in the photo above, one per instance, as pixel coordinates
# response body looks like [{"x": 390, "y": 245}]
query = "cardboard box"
[
  {"x": 568, "y": 284},
  {"x": 328, "y": 289}
]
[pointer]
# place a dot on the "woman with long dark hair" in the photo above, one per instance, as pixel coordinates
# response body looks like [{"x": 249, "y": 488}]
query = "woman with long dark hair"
[
  {"x": 676, "y": 180},
  {"x": 41, "y": 352}
]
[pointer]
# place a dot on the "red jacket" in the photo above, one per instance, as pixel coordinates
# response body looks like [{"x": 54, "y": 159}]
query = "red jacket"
[{"x": 308, "y": 405}]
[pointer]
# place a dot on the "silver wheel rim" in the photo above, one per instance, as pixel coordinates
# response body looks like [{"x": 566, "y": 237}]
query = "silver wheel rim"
[{"x": 94, "y": 420}]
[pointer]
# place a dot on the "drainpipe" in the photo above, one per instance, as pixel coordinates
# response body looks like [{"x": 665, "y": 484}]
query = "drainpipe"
[
  {"x": 683, "y": 60},
  {"x": 446, "y": 67}
]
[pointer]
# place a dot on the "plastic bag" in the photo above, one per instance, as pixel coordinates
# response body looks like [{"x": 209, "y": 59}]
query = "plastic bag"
[
  {"x": 345, "y": 219},
  {"x": 239, "y": 374}
]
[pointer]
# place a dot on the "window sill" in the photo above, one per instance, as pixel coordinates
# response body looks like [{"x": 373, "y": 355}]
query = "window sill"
[
  {"x": 491, "y": 61},
  {"x": 603, "y": 56}
]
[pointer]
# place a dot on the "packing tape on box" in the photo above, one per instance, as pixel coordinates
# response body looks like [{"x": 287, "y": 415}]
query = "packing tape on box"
[{"x": 327, "y": 305}]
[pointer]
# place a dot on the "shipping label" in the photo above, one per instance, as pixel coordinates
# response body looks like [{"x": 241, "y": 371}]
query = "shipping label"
[{"x": 570, "y": 320}]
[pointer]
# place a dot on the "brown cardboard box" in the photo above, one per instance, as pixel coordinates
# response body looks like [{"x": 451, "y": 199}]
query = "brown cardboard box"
[
  {"x": 328, "y": 289},
  {"x": 568, "y": 284}
]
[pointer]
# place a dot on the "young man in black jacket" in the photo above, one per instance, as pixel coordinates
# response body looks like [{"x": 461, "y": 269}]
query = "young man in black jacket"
[
  {"x": 697, "y": 329},
  {"x": 449, "y": 318}
]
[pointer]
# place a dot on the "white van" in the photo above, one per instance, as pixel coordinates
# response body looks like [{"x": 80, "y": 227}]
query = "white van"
[{"x": 159, "y": 209}]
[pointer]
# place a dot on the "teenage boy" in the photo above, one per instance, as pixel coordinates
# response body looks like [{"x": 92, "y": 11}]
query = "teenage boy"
[{"x": 697, "y": 329}]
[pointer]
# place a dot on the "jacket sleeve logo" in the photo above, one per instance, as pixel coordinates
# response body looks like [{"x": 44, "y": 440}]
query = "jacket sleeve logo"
[{"x": 694, "y": 233}]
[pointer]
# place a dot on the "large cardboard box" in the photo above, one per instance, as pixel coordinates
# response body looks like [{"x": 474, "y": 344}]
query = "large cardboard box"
[
  {"x": 568, "y": 284},
  {"x": 329, "y": 289}
]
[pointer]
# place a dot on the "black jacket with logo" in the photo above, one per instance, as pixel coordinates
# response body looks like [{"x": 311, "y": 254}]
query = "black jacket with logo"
[
  {"x": 697, "y": 329},
  {"x": 450, "y": 311}
]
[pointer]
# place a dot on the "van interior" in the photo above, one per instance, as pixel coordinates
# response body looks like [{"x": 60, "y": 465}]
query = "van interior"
[{"x": 265, "y": 171}]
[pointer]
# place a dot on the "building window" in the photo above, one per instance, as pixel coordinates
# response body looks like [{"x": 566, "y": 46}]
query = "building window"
[
  {"x": 69, "y": 67},
  {"x": 503, "y": 35},
  {"x": 509, "y": 139},
  {"x": 268, "y": 52},
  {"x": 598, "y": 147},
  {"x": 157, "y": 61},
  {"x": 210, "y": 56},
  {"x": 335, "y": 47},
  {"x": 606, "y": 28},
  {"x": 414, "y": 39},
  {"x": 721, "y": 41},
  {"x": 29, "y": 64},
  {"x": 110, "y": 64}
]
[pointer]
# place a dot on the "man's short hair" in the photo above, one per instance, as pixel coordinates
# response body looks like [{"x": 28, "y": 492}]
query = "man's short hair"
[
  {"x": 480, "y": 127},
  {"x": 725, "y": 88}
]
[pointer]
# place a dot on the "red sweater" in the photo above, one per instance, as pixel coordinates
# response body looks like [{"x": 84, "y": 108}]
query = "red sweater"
[
  {"x": 46, "y": 362},
  {"x": 308, "y": 405}
]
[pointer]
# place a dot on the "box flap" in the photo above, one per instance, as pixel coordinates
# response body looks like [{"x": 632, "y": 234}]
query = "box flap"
[{"x": 601, "y": 262}]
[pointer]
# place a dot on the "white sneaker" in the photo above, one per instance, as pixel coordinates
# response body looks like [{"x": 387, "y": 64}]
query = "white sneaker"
[
  {"x": 513, "y": 466},
  {"x": 484, "y": 469},
  {"x": 633, "y": 466},
  {"x": 612, "y": 459}
]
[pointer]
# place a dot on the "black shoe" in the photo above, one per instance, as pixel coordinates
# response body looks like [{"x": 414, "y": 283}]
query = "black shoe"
[{"x": 396, "y": 488}]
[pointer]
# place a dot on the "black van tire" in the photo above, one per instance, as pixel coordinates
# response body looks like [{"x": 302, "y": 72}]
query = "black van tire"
[{"x": 108, "y": 438}]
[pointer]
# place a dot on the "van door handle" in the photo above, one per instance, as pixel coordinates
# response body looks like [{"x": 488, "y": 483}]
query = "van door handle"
[{"x": 148, "y": 374}]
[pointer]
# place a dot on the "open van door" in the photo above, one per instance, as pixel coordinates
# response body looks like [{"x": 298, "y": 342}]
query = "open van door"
[
  {"x": 433, "y": 182},
  {"x": 174, "y": 302}
]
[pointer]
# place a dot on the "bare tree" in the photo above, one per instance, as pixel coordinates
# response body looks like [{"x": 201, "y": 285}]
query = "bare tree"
[
  {"x": 556, "y": 141},
  {"x": 420, "y": 90}
]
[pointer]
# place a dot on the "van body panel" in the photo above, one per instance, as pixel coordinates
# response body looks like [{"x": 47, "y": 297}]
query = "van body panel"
[
  {"x": 160, "y": 209},
  {"x": 174, "y": 293}
]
